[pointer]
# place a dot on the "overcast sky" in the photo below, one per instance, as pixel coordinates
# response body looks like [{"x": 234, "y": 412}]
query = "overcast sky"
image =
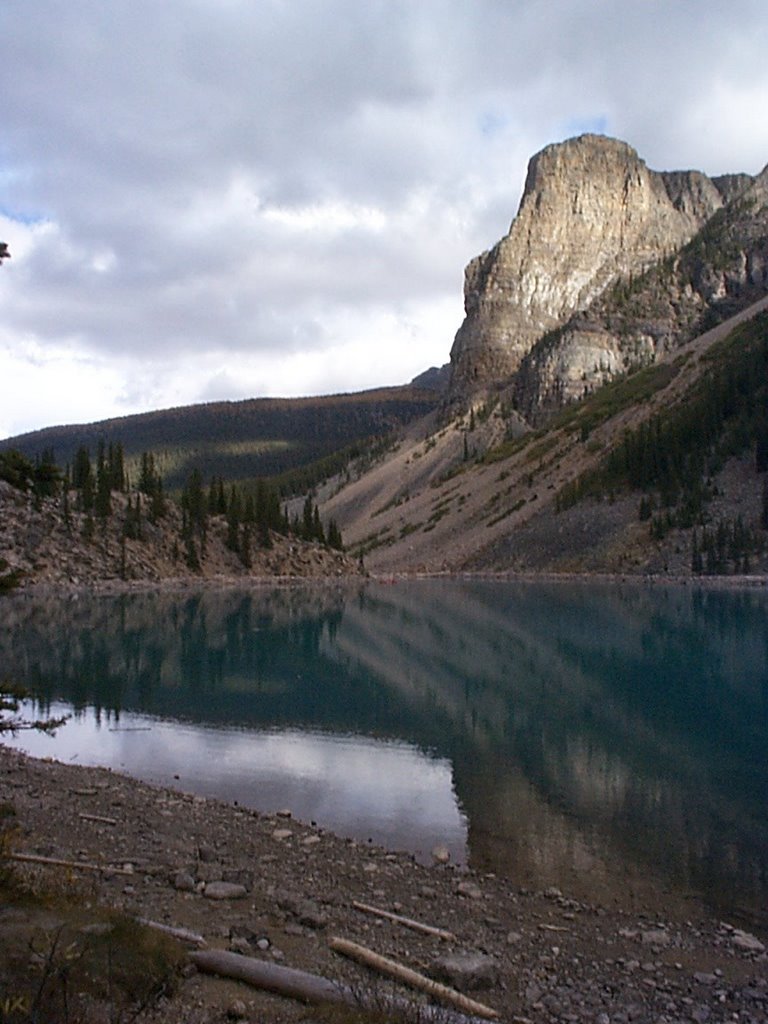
[{"x": 209, "y": 199}]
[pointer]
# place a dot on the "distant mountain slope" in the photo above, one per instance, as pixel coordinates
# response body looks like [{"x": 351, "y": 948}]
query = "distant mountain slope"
[
  {"x": 594, "y": 321},
  {"x": 627, "y": 480},
  {"x": 239, "y": 440}
]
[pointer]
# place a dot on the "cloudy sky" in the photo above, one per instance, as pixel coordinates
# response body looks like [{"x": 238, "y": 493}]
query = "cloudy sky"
[{"x": 209, "y": 199}]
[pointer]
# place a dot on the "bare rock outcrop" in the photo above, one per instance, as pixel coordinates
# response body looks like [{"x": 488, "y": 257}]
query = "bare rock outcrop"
[
  {"x": 720, "y": 271},
  {"x": 594, "y": 216}
]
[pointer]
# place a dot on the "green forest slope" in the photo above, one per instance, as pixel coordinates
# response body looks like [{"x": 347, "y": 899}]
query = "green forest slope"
[{"x": 239, "y": 441}]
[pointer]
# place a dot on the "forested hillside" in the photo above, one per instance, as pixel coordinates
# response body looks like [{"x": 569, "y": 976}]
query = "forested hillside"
[
  {"x": 87, "y": 524},
  {"x": 238, "y": 441}
]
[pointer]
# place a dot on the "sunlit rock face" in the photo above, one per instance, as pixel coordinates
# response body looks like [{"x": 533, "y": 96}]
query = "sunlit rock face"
[{"x": 591, "y": 212}]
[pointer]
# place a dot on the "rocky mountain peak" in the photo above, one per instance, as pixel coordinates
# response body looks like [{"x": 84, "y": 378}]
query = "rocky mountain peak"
[{"x": 591, "y": 212}]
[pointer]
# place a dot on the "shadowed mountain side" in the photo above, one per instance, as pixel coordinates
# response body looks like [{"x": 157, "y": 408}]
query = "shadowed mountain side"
[{"x": 259, "y": 437}]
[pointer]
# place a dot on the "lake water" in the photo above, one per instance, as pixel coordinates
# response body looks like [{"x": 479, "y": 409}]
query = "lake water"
[{"x": 608, "y": 739}]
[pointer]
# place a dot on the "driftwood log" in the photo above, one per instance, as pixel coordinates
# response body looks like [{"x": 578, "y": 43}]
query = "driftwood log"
[
  {"x": 98, "y": 818},
  {"x": 285, "y": 981},
  {"x": 392, "y": 969},
  {"x": 406, "y": 922},
  {"x": 55, "y": 862},
  {"x": 312, "y": 988},
  {"x": 182, "y": 934}
]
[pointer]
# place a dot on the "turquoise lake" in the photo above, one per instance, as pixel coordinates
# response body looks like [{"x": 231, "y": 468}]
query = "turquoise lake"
[{"x": 609, "y": 739}]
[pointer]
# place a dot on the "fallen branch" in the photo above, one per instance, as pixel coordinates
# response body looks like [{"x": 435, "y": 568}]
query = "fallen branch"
[
  {"x": 98, "y": 817},
  {"x": 285, "y": 981},
  {"x": 182, "y": 934},
  {"x": 81, "y": 865},
  {"x": 406, "y": 922},
  {"x": 312, "y": 988},
  {"x": 392, "y": 969}
]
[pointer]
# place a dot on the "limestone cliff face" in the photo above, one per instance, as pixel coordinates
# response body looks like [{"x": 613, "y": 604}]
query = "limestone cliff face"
[
  {"x": 722, "y": 269},
  {"x": 591, "y": 213}
]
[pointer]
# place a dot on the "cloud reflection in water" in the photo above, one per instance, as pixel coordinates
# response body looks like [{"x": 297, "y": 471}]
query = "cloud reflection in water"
[{"x": 385, "y": 790}]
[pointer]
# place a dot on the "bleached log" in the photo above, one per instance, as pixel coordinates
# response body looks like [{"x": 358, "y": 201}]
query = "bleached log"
[
  {"x": 285, "y": 981},
  {"x": 313, "y": 988},
  {"x": 406, "y": 922},
  {"x": 99, "y": 818},
  {"x": 182, "y": 934},
  {"x": 393, "y": 969},
  {"x": 80, "y": 865}
]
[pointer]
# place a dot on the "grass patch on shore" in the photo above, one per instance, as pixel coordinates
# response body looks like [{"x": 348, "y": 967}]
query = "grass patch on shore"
[
  {"x": 62, "y": 963},
  {"x": 78, "y": 972}
]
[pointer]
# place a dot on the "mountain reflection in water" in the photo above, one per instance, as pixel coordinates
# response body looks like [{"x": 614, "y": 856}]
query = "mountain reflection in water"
[{"x": 597, "y": 737}]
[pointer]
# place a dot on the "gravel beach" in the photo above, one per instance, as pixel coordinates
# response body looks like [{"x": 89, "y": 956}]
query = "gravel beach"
[{"x": 273, "y": 888}]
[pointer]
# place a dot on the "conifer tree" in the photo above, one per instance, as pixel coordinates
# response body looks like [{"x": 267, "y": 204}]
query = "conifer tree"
[
  {"x": 82, "y": 479},
  {"x": 103, "y": 501},
  {"x": 46, "y": 475},
  {"x": 334, "y": 539},
  {"x": 213, "y": 498},
  {"x": 148, "y": 475},
  {"x": 116, "y": 466},
  {"x": 234, "y": 518},
  {"x": 132, "y": 524},
  {"x": 245, "y": 545},
  {"x": 101, "y": 457},
  {"x": 761, "y": 445},
  {"x": 65, "y": 510},
  {"x": 192, "y": 557},
  {"x": 16, "y": 469},
  {"x": 194, "y": 508},
  {"x": 317, "y": 527},
  {"x": 221, "y": 499},
  {"x": 86, "y": 495},
  {"x": 266, "y": 513},
  {"x": 157, "y": 506},
  {"x": 87, "y": 531},
  {"x": 307, "y": 519}
]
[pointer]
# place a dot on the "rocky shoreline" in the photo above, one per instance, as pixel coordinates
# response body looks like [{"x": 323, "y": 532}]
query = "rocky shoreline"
[
  {"x": 272, "y": 888},
  {"x": 357, "y": 577}
]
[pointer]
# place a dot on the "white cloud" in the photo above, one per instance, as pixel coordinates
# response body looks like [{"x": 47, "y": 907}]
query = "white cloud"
[
  {"x": 202, "y": 193},
  {"x": 35, "y": 378}
]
